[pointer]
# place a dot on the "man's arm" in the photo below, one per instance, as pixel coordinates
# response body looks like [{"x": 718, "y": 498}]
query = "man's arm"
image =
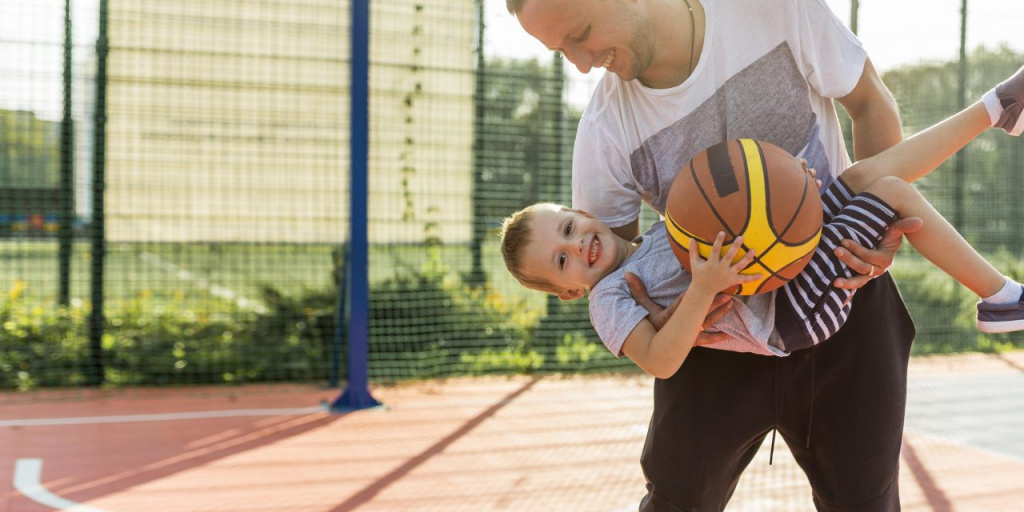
[
  {"x": 867, "y": 261},
  {"x": 629, "y": 231},
  {"x": 661, "y": 352},
  {"x": 658, "y": 315},
  {"x": 875, "y": 115},
  {"x": 876, "y": 127}
]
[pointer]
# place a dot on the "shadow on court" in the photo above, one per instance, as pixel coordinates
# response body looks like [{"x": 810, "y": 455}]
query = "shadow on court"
[{"x": 476, "y": 444}]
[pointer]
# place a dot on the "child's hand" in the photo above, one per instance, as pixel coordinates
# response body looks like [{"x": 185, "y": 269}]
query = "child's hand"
[
  {"x": 718, "y": 273},
  {"x": 811, "y": 172}
]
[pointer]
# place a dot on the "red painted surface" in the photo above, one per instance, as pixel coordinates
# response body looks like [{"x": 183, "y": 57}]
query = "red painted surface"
[{"x": 504, "y": 444}]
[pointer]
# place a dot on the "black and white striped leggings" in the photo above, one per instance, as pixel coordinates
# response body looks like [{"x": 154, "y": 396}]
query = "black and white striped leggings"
[{"x": 809, "y": 309}]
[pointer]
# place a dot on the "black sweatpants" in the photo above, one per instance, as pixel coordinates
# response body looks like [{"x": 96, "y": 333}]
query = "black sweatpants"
[{"x": 839, "y": 406}]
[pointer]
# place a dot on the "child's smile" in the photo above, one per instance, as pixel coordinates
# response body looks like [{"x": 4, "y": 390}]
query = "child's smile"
[{"x": 572, "y": 250}]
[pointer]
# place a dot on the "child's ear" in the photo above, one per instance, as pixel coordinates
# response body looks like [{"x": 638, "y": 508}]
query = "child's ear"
[{"x": 571, "y": 294}]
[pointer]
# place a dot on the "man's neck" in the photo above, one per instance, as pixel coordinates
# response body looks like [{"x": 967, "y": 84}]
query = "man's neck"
[{"x": 674, "y": 31}]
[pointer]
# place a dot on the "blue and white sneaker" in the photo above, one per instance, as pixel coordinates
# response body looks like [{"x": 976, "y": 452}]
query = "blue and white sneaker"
[{"x": 995, "y": 318}]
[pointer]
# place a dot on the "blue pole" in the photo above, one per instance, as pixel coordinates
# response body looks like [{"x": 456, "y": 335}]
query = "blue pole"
[{"x": 357, "y": 395}]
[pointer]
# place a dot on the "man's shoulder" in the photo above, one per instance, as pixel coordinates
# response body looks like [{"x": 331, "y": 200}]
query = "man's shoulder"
[{"x": 607, "y": 94}]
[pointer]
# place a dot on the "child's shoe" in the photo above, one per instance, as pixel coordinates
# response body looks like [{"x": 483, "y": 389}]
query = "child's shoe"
[
  {"x": 1005, "y": 104},
  {"x": 994, "y": 318}
]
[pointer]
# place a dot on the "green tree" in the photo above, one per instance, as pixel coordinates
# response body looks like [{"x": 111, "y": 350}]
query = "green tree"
[
  {"x": 993, "y": 183},
  {"x": 926, "y": 94},
  {"x": 525, "y": 137}
]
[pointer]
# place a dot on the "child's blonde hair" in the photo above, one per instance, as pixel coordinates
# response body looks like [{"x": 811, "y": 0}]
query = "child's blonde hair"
[{"x": 515, "y": 235}]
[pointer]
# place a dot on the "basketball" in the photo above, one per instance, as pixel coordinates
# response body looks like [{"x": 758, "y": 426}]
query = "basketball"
[{"x": 750, "y": 188}]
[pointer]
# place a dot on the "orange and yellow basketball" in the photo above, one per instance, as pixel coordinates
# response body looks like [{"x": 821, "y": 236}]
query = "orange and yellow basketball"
[{"x": 750, "y": 188}]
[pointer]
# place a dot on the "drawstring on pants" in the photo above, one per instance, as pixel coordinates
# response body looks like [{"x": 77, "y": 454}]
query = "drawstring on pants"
[
  {"x": 775, "y": 410},
  {"x": 810, "y": 407},
  {"x": 775, "y": 406}
]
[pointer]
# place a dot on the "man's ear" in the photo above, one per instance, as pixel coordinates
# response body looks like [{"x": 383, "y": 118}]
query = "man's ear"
[{"x": 571, "y": 294}]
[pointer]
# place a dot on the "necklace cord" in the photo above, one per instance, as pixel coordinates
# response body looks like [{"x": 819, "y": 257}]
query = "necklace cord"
[{"x": 693, "y": 36}]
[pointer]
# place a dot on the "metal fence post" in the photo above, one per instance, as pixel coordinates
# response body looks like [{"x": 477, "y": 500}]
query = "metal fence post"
[
  {"x": 97, "y": 319},
  {"x": 357, "y": 394},
  {"x": 67, "y": 173}
]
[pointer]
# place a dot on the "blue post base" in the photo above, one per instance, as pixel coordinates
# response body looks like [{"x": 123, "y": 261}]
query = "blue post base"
[{"x": 354, "y": 399}]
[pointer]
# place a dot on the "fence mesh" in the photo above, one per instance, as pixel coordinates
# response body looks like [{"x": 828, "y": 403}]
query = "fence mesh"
[{"x": 212, "y": 143}]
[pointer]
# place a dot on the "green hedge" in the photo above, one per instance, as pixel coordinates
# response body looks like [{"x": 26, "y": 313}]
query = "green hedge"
[{"x": 424, "y": 323}]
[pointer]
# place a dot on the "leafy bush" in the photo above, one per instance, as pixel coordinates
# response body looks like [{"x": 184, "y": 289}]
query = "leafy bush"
[
  {"x": 151, "y": 344},
  {"x": 37, "y": 346},
  {"x": 511, "y": 359},
  {"x": 294, "y": 340},
  {"x": 144, "y": 344},
  {"x": 577, "y": 352},
  {"x": 423, "y": 323},
  {"x": 426, "y": 325}
]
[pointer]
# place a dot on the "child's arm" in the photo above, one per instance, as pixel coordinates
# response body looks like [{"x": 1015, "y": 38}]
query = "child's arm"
[
  {"x": 919, "y": 155},
  {"x": 661, "y": 352},
  {"x": 922, "y": 153}
]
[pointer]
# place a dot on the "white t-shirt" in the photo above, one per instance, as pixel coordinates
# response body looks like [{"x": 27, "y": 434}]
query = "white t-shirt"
[
  {"x": 614, "y": 313},
  {"x": 768, "y": 71}
]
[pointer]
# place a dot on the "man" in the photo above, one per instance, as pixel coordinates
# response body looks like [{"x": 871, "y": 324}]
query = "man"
[{"x": 682, "y": 75}]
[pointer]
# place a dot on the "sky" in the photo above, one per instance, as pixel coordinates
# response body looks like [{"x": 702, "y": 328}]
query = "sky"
[
  {"x": 895, "y": 32},
  {"x": 31, "y": 58}
]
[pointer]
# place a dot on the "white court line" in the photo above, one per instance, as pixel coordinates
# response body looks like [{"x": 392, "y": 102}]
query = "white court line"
[
  {"x": 27, "y": 473},
  {"x": 215, "y": 290},
  {"x": 40, "y": 422}
]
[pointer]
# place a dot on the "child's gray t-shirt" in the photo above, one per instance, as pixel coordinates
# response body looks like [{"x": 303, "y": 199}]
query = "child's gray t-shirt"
[{"x": 614, "y": 313}]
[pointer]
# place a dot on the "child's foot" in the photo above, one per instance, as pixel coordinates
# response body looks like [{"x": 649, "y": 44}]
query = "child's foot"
[
  {"x": 1005, "y": 104},
  {"x": 995, "y": 318}
]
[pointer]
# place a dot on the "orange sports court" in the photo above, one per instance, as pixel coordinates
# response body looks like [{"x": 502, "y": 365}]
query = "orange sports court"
[{"x": 468, "y": 444}]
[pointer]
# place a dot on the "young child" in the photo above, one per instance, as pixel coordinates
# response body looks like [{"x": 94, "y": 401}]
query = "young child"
[{"x": 567, "y": 252}]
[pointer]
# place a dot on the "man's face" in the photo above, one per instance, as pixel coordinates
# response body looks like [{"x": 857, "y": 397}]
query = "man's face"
[
  {"x": 571, "y": 250},
  {"x": 611, "y": 34}
]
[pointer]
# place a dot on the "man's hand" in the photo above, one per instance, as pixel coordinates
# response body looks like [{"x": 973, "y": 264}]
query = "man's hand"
[
  {"x": 871, "y": 263},
  {"x": 659, "y": 315}
]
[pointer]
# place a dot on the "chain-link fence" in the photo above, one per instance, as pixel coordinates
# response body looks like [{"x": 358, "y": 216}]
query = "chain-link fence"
[{"x": 174, "y": 195}]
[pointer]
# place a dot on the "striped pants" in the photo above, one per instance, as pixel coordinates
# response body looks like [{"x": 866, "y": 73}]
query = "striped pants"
[{"x": 809, "y": 309}]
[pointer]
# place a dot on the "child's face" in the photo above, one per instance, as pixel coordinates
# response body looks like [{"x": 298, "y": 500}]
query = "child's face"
[{"x": 572, "y": 250}]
